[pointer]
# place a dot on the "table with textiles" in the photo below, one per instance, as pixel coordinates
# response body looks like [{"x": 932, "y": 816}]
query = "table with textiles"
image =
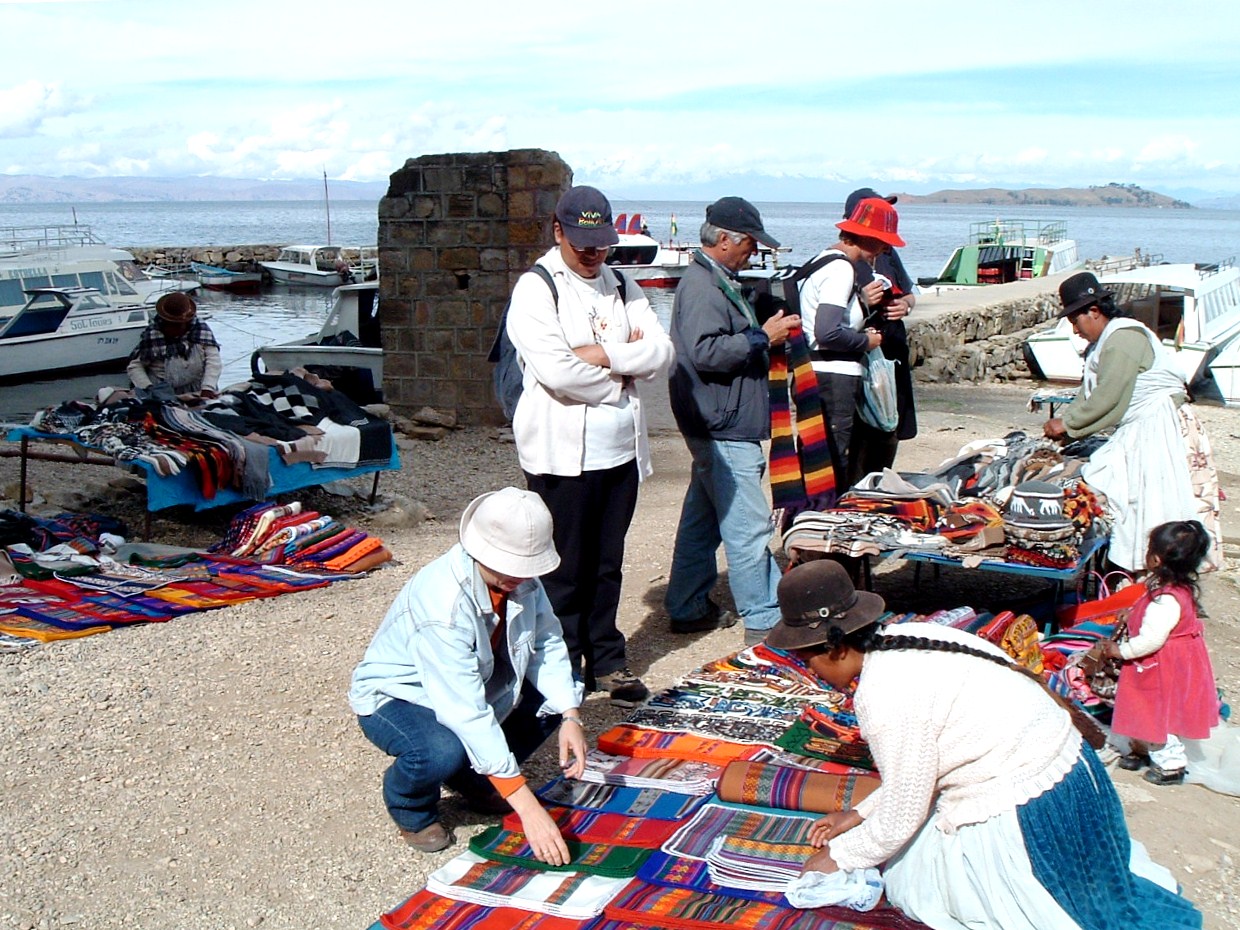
[{"x": 281, "y": 434}]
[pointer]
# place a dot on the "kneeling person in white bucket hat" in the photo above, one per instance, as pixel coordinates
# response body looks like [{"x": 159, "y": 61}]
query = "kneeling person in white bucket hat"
[{"x": 468, "y": 674}]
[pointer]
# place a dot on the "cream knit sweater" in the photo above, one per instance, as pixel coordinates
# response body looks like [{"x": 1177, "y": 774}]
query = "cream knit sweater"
[{"x": 954, "y": 736}]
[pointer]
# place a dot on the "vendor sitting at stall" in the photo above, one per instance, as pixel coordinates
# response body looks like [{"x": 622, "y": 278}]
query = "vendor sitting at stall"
[
  {"x": 177, "y": 350},
  {"x": 1157, "y": 465},
  {"x": 993, "y": 811}
]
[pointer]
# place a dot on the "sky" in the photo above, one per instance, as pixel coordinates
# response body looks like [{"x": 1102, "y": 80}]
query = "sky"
[{"x": 906, "y": 96}]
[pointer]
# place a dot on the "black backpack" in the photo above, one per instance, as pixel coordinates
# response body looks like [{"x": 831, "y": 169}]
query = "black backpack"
[
  {"x": 782, "y": 290},
  {"x": 508, "y": 376}
]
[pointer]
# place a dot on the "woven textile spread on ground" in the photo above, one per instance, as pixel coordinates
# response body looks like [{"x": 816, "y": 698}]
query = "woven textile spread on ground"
[
  {"x": 429, "y": 911},
  {"x": 766, "y": 785},
  {"x": 714, "y": 699},
  {"x": 565, "y": 894},
  {"x": 802, "y": 740},
  {"x": 741, "y": 862},
  {"x": 656, "y": 906},
  {"x": 629, "y": 802},
  {"x": 694, "y": 874},
  {"x": 682, "y": 775},
  {"x": 641, "y": 743},
  {"x": 721, "y": 726},
  {"x": 587, "y": 826},
  {"x": 694, "y": 838},
  {"x": 500, "y": 845}
]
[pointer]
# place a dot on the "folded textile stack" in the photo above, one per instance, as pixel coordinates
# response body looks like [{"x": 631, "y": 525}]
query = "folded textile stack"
[
  {"x": 471, "y": 878},
  {"x": 1035, "y": 528},
  {"x": 680, "y": 775},
  {"x": 287, "y": 534}
]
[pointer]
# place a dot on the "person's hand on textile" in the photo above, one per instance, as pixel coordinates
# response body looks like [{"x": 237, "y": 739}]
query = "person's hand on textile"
[
  {"x": 779, "y": 326},
  {"x": 572, "y": 738},
  {"x": 828, "y": 827},
  {"x": 1107, "y": 649},
  {"x": 872, "y": 293},
  {"x": 1054, "y": 429},
  {"x": 208, "y": 394},
  {"x": 593, "y": 354},
  {"x": 540, "y": 830},
  {"x": 820, "y": 861}
]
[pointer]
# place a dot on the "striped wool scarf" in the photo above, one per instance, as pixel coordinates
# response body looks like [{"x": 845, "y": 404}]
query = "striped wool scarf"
[{"x": 802, "y": 477}]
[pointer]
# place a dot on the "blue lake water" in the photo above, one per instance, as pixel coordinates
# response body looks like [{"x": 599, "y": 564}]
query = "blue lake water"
[{"x": 243, "y": 322}]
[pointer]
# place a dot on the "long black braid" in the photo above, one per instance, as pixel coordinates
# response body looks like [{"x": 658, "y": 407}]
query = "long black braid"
[{"x": 869, "y": 639}]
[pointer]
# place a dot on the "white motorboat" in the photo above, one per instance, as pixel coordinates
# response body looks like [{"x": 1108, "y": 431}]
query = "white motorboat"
[
  {"x": 323, "y": 265},
  {"x": 1000, "y": 251},
  {"x": 1194, "y": 309},
  {"x": 347, "y": 350},
  {"x": 73, "y": 256},
  {"x": 68, "y": 329}
]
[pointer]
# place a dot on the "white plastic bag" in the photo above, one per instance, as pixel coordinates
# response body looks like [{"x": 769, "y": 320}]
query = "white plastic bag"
[
  {"x": 877, "y": 405},
  {"x": 1215, "y": 760}
]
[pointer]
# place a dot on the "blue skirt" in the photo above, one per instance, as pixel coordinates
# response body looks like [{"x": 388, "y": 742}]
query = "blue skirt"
[{"x": 1078, "y": 845}]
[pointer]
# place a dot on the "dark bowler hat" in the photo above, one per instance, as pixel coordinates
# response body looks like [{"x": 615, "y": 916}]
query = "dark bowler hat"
[
  {"x": 585, "y": 216},
  {"x": 864, "y": 193},
  {"x": 177, "y": 307},
  {"x": 1080, "y": 292},
  {"x": 815, "y": 597},
  {"x": 736, "y": 214}
]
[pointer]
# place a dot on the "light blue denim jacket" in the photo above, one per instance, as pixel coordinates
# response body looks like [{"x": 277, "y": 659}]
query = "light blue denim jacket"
[{"x": 434, "y": 649}]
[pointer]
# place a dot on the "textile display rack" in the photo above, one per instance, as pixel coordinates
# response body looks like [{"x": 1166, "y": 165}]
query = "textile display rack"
[{"x": 164, "y": 491}]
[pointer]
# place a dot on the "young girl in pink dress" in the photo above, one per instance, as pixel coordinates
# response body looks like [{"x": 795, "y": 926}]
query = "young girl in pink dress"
[{"x": 1166, "y": 684}]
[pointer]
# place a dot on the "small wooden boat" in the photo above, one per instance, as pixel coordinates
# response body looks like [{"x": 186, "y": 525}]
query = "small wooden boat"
[
  {"x": 215, "y": 278},
  {"x": 68, "y": 329}
]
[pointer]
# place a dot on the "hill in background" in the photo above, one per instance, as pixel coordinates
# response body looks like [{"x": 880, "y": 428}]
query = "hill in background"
[{"x": 1107, "y": 195}]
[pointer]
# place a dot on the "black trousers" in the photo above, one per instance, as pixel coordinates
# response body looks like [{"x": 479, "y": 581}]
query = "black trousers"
[{"x": 591, "y": 512}]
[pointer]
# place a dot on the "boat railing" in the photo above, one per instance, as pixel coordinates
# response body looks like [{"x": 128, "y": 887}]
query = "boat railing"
[
  {"x": 1017, "y": 232},
  {"x": 17, "y": 239},
  {"x": 1114, "y": 265},
  {"x": 1205, "y": 271}
]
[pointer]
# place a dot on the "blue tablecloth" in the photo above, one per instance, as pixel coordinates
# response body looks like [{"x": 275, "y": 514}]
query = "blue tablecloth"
[{"x": 164, "y": 491}]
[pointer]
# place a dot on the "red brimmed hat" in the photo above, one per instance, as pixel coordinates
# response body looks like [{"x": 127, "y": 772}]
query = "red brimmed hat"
[{"x": 873, "y": 218}]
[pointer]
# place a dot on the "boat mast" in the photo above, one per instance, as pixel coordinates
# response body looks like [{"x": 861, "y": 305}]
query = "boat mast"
[{"x": 327, "y": 204}]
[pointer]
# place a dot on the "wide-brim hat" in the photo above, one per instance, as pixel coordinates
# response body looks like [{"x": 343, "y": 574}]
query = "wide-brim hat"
[
  {"x": 1079, "y": 292},
  {"x": 509, "y": 531},
  {"x": 817, "y": 597},
  {"x": 177, "y": 307},
  {"x": 585, "y": 217},
  {"x": 874, "y": 218},
  {"x": 736, "y": 214},
  {"x": 864, "y": 193}
]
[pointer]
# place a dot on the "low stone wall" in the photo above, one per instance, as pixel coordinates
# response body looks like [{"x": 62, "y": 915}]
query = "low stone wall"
[
  {"x": 984, "y": 343},
  {"x": 228, "y": 256}
]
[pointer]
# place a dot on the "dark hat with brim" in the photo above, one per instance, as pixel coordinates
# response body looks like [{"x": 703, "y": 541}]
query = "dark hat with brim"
[
  {"x": 864, "y": 193},
  {"x": 177, "y": 307},
  {"x": 1080, "y": 292},
  {"x": 817, "y": 597},
  {"x": 738, "y": 215},
  {"x": 585, "y": 217}
]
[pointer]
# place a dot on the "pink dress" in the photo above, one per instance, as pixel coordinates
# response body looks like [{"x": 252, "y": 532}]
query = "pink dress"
[{"x": 1171, "y": 690}]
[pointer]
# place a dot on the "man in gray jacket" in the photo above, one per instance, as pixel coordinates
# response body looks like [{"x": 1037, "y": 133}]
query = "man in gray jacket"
[{"x": 721, "y": 402}]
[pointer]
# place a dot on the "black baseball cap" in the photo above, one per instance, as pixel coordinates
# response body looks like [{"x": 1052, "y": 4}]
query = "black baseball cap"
[
  {"x": 863, "y": 193},
  {"x": 736, "y": 214},
  {"x": 585, "y": 216}
]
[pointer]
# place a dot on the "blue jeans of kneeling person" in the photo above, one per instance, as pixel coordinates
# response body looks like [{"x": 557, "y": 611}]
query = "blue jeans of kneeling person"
[
  {"x": 725, "y": 504},
  {"x": 429, "y": 755}
]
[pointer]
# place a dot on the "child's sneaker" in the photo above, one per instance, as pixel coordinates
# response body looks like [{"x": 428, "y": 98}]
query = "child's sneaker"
[{"x": 1161, "y": 776}]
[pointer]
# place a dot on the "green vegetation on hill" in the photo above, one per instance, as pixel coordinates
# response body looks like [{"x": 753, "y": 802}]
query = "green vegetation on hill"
[{"x": 1107, "y": 195}]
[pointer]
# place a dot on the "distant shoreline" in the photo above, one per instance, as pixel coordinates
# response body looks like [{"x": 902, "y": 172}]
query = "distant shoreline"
[{"x": 1108, "y": 195}]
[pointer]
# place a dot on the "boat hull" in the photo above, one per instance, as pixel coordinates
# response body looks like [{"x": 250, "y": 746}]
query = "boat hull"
[
  {"x": 302, "y": 277},
  {"x": 107, "y": 348},
  {"x": 242, "y": 282}
]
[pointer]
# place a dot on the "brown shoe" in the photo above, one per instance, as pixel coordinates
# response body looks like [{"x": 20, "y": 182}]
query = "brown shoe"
[
  {"x": 428, "y": 840},
  {"x": 623, "y": 688}
]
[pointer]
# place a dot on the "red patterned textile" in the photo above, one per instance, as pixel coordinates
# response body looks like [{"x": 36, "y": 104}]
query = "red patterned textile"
[{"x": 427, "y": 911}]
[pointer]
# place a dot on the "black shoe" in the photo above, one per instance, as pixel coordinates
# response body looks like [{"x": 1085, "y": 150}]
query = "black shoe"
[
  {"x": 1161, "y": 776},
  {"x": 1133, "y": 762},
  {"x": 624, "y": 688},
  {"x": 714, "y": 619}
]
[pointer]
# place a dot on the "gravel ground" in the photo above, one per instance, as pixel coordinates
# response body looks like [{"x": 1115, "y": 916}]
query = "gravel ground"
[{"x": 207, "y": 772}]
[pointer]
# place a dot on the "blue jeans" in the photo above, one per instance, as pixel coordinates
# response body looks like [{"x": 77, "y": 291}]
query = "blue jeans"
[
  {"x": 725, "y": 504},
  {"x": 429, "y": 755}
]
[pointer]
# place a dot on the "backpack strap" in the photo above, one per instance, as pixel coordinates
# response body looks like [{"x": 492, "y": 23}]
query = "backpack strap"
[{"x": 501, "y": 334}]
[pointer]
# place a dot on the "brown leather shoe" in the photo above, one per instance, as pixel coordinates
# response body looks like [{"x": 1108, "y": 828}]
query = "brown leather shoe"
[{"x": 428, "y": 840}]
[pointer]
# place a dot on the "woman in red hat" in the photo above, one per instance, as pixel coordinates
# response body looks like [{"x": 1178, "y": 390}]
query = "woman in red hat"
[{"x": 178, "y": 350}]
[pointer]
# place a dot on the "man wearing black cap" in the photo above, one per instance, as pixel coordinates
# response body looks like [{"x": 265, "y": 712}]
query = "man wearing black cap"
[
  {"x": 720, "y": 399},
  {"x": 580, "y": 425}
]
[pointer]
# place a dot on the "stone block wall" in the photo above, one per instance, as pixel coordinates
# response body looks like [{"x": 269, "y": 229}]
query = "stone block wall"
[{"x": 455, "y": 232}]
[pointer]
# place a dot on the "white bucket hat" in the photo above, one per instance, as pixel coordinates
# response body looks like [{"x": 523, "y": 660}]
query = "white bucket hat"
[{"x": 509, "y": 531}]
